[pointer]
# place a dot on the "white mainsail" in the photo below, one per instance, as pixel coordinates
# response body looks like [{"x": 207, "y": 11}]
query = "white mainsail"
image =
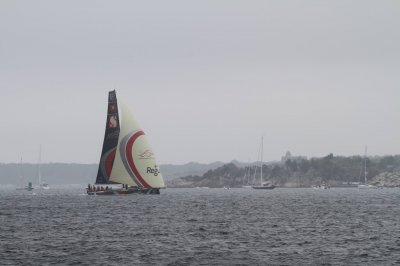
[{"x": 134, "y": 162}]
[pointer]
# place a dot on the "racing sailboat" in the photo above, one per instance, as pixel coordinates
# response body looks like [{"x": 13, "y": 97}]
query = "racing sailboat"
[{"x": 127, "y": 164}]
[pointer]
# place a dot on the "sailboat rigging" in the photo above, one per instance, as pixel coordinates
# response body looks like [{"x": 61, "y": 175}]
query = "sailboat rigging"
[
  {"x": 263, "y": 185},
  {"x": 29, "y": 187},
  {"x": 41, "y": 185},
  {"x": 247, "y": 176},
  {"x": 127, "y": 163},
  {"x": 364, "y": 169}
]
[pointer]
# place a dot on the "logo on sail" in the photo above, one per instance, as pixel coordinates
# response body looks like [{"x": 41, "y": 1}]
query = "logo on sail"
[
  {"x": 155, "y": 171},
  {"x": 145, "y": 173},
  {"x": 113, "y": 121},
  {"x": 147, "y": 154}
]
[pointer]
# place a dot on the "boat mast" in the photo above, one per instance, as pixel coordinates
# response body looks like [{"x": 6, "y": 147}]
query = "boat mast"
[
  {"x": 365, "y": 165},
  {"x": 261, "y": 159},
  {"x": 39, "y": 162},
  {"x": 21, "y": 178}
]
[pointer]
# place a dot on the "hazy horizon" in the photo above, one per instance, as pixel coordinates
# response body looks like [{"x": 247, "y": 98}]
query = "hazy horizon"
[
  {"x": 217, "y": 161},
  {"x": 205, "y": 80}
]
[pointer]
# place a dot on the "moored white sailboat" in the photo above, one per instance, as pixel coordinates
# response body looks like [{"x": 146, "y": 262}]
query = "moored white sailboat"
[
  {"x": 247, "y": 176},
  {"x": 364, "y": 167},
  {"x": 127, "y": 164},
  {"x": 41, "y": 185},
  {"x": 263, "y": 185}
]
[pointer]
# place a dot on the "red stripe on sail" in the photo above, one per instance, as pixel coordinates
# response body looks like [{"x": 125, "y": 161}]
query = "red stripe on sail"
[
  {"x": 129, "y": 157},
  {"x": 110, "y": 162}
]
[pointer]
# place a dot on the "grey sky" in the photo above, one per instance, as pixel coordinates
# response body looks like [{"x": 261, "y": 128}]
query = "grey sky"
[{"x": 205, "y": 79}]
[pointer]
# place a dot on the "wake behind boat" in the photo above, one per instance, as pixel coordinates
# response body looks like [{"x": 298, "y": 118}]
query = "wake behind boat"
[{"x": 127, "y": 164}]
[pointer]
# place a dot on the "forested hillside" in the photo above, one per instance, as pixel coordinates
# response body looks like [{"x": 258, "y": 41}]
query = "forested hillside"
[
  {"x": 334, "y": 170},
  {"x": 64, "y": 173}
]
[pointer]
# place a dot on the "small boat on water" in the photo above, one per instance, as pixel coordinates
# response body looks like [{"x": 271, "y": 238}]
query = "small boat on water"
[
  {"x": 42, "y": 185},
  {"x": 364, "y": 186},
  {"x": 323, "y": 185},
  {"x": 263, "y": 185},
  {"x": 29, "y": 187},
  {"x": 247, "y": 180},
  {"x": 127, "y": 164},
  {"x": 20, "y": 186},
  {"x": 364, "y": 167}
]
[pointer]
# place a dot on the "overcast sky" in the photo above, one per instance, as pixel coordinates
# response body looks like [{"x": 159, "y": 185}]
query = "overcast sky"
[{"x": 205, "y": 79}]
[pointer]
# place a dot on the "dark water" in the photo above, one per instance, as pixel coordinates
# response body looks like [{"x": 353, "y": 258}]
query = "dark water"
[{"x": 202, "y": 227}]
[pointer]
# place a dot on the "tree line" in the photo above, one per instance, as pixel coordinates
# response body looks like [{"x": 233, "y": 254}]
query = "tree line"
[{"x": 334, "y": 170}]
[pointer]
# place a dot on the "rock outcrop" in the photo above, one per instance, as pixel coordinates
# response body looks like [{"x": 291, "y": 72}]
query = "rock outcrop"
[{"x": 386, "y": 179}]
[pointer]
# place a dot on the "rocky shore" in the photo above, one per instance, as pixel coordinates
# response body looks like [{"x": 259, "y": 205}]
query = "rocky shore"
[
  {"x": 386, "y": 179},
  {"x": 336, "y": 171}
]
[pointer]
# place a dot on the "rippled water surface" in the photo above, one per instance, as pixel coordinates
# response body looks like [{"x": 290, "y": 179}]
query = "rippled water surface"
[{"x": 202, "y": 226}]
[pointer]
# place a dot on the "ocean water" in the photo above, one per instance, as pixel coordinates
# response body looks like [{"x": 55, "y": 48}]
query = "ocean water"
[{"x": 201, "y": 227}]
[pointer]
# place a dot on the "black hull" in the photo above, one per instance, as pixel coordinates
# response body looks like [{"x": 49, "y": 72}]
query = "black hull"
[
  {"x": 122, "y": 192},
  {"x": 272, "y": 187}
]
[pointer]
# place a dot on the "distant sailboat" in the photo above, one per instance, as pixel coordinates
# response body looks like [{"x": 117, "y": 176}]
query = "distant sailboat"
[
  {"x": 263, "y": 185},
  {"x": 323, "y": 185},
  {"x": 29, "y": 187},
  {"x": 41, "y": 185},
  {"x": 247, "y": 175},
  {"x": 20, "y": 185},
  {"x": 246, "y": 183},
  {"x": 127, "y": 164},
  {"x": 364, "y": 167}
]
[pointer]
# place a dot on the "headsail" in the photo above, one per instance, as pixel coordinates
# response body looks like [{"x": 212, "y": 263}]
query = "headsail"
[
  {"x": 134, "y": 162},
  {"x": 110, "y": 140}
]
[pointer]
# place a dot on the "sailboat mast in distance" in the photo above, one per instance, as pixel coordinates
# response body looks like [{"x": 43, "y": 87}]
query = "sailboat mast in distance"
[
  {"x": 39, "y": 162},
  {"x": 263, "y": 185},
  {"x": 42, "y": 185},
  {"x": 364, "y": 168},
  {"x": 365, "y": 165},
  {"x": 261, "y": 162},
  {"x": 21, "y": 179}
]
